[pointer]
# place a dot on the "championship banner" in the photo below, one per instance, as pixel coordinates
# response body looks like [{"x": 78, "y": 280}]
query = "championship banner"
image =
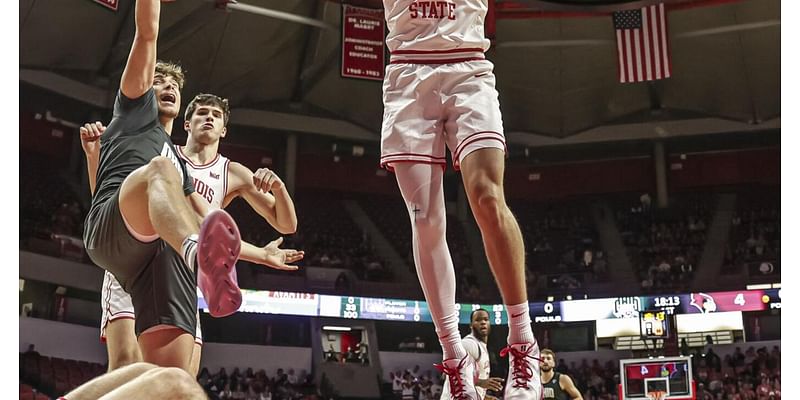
[
  {"x": 111, "y": 4},
  {"x": 363, "y": 55}
]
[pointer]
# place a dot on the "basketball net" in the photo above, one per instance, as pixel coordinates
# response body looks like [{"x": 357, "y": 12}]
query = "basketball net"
[{"x": 656, "y": 395}]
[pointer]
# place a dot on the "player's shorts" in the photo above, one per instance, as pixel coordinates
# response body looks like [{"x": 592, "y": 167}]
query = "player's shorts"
[
  {"x": 116, "y": 304},
  {"x": 428, "y": 107},
  {"x": 162, "y": 288}
]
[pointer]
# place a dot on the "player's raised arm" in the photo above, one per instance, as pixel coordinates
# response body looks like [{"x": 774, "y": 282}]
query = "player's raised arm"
[
  {"x": 137, "y": 77},
  {"x": 265, "y": 192},
  {"x": 90, "y": 142}
]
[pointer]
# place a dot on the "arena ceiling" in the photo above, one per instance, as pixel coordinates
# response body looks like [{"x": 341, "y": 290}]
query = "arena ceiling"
[{"x": 555, "y": 65}]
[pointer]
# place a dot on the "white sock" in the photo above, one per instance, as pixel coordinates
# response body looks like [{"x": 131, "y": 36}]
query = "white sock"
[
  {"x": 519, "y": 324},
  {"x": 189, "y": 251},
  {"x": 451, "y": 340}
]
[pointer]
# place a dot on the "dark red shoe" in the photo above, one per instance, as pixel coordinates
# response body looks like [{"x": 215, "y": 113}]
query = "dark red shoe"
[{"x": 218, "y": 247}]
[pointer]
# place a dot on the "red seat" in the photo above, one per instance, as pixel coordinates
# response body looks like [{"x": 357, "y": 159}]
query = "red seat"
[
  {"x": 27, "y": 396},
  {"x": 23, "y": 388},
  {"x": 30, "y": 369},
  {"x": 74, "y": 372},
  {"x": 62, "y": 387}
]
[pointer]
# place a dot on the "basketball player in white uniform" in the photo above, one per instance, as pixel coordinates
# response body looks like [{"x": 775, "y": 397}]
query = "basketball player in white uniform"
[
  {"x": 439, "y": 92},
  {"x": 475, "y": 345},
  {"x": 218, "y": 181}
]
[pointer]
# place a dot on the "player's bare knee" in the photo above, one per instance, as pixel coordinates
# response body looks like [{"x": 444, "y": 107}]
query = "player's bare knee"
[{"x": 490, "y": 205}]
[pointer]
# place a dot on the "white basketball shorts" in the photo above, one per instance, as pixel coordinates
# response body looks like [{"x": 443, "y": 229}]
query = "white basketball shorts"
[{"x": 430, "y": 106}]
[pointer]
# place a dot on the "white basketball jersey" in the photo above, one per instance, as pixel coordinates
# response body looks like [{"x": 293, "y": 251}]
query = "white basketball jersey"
[
  {"x": 483, "y": 365},
  {"x": 422, "y": 30},
  {"x": 480, "y": 359},
  {"x": 210, "y": 180}
]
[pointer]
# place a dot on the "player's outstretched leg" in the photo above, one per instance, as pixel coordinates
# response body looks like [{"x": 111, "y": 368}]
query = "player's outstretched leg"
[{"x": 482, "y": 171}]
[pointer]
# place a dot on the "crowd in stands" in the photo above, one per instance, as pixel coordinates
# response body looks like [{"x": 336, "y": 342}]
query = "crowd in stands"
[
  {"x": 390, "y": 215},
  {"x": 48, "y": 205},
  {"x": 755, "y": 234},
  {"x": 562, "y": 244},
  {"x": 53, "y": 217},
  {"x": 414, "y": 384},
  {"x": 665, "y": 245},
  {"x": 561, "y": 240},
  {"x": 358, "y": 354},
  {"x": 754, "y": 374},
  {"x": 252, "y": 385},
  {"x": 47, "y": 378},
  {"x": 51, "y": 377},
  {"x": 595, "y": 381}
]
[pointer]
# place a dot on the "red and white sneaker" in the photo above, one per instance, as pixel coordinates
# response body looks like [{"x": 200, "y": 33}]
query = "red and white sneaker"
[
  {"x": 524, "y": 377},
  {"x": 460, "y": 377},
  {"x": 218, "y": 247}
]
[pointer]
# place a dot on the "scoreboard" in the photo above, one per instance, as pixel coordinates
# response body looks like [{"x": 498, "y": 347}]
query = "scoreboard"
[
  {"x": 653, "y": 324},
  {"x": 399, "y": 310},
  {"x": 353, "y": 307}
]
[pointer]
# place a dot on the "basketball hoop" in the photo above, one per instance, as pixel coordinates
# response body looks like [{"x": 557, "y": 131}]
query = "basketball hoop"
[{"x": 657, "y": 395}]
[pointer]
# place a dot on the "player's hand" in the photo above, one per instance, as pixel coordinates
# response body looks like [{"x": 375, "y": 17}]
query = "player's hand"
[
  {"x": 278, "y": 258},
  {"x": 90, "y": 137},
  {"x": 495, "y": 384},
  {"x": 267, "y": 180}
]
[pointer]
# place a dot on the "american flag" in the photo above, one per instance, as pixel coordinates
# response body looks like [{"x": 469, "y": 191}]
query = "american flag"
[{"x": 642, "y": 44}]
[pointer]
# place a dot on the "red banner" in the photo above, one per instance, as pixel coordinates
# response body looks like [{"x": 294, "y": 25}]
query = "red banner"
[
  {"x": 362, "y": 43},
  {"x": 112, "y": 4}
]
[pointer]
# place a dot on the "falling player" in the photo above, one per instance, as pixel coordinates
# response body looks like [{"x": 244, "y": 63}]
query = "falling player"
[{"x": 218, "y": 181}]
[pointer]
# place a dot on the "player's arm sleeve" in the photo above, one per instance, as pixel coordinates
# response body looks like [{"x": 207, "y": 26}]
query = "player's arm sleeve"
[{"x": 569, "y": 387}]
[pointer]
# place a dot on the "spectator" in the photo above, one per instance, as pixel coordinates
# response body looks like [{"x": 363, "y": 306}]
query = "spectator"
[
  {"x": 408, "y": 387},
  {"x": 684, "y": 347},
  {"x": 363, "y": 353},
  {"x": 397, "y": 384},
  {"x": 31, "y": 352},
  {"x": 351, "y": 355},
  {"x": 331, "y": 354},
  {"x": 226, "y": 392}
]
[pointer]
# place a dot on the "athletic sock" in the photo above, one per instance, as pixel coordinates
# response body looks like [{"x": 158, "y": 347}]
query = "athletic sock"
[
  {"x": 519, "y": 324},
  {"x": 189, "y": 251}
]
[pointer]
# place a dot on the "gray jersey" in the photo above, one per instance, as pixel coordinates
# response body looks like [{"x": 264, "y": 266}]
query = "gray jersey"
[{"x": 133, "y": 138}]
